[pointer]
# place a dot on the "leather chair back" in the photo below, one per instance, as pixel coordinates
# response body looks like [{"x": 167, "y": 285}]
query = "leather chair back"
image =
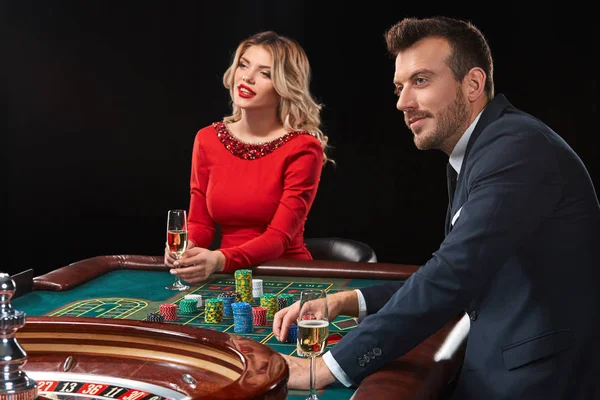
[{"x": 340, "y": 249}]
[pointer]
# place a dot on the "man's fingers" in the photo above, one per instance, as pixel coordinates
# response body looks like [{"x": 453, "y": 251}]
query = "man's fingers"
[
  {"x": 285, "y": 326},
  {"x": 277, "y": 320},
  {"x": 289, "y": 317},
  {"x": 286, "y": 323}
]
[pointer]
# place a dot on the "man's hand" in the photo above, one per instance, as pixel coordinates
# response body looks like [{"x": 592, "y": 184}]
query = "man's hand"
[
  {"x": 300, "y": 373},
  {"x": 283, "y": 319},
  {"x": 345, "y": 303}
]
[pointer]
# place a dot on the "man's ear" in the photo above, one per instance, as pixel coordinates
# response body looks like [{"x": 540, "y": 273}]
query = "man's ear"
[{"x": 474, "y": 83}]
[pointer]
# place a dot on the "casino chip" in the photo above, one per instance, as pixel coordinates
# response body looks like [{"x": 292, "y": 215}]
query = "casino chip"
[
  {"x": 155, "y": 317},
  {"x": 281, "y": 302},
  {"x": 257, "y": 288},
  {"x": 260, "y": 315},
  {"x": 228, "y": 299},
  {"x": 213, "y": 311},
  {"x": 188, "y": 306},
  {"x": 269, "y": 301},
  {"x": 243, "y": 284},
  {"x": 243, "y": 318},
  {"x": 288, "y": 297},
  {"x": 169, "y": 311},
  {"x": 292, "y": 336},
  {"x": 197, "y": 297}
]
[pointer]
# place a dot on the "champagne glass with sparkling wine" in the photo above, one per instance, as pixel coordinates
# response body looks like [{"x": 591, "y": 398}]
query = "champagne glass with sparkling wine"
[
  {"x": 313, "y": 330},
  {"x": 177, "y": 240}
]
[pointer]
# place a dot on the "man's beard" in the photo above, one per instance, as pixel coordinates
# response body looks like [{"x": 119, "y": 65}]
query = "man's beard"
[{"x": 448, "y": 122}]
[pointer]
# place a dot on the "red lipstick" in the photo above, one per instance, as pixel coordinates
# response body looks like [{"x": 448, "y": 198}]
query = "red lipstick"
[{"x": 245, "y": 92}]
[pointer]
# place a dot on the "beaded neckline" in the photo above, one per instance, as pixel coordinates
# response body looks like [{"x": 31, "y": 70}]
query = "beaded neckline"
[{"x": 251, "y": 151}]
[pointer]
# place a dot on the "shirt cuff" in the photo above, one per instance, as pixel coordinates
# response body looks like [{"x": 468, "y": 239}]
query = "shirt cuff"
[
  {"x": 336, "y": 370},
  {"x": 362, "y": 305}
]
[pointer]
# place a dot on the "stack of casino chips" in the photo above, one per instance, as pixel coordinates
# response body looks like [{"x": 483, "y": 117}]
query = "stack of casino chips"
[
  {"x": 169, "y": 311},
  {"x": 188, "y": 306},
  {"x": 228, "y": 299},
  {"x": 289, "y": 300},
  {"x": 213, "y": 311},
  {"x": 243, "y": 284},
  {"x": 257, "y": 288},
  {"x": 292, "y": 335},
  {"x": 197, "y": 297},
  {"x": 269, "y": 301},
  {"x": 281, "y": 302},
  {"x": 260, "y": 316},
  {"x": 243, "y": 318},
  {"x": 155, "y": 317}
]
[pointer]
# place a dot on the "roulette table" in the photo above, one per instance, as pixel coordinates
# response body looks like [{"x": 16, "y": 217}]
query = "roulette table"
[{"x": 86, "y": 336}]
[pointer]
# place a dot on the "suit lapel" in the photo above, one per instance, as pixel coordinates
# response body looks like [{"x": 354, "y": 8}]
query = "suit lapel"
[{"x": 491, "y": 113}]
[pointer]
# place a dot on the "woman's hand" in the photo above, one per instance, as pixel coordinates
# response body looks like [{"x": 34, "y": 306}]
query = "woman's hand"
[
  {"x": 170, "y": 257},
  {"x": 198, "y": 264}
]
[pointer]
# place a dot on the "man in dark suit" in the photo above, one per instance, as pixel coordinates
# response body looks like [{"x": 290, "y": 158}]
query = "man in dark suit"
[{"x": 522, "y": 234}]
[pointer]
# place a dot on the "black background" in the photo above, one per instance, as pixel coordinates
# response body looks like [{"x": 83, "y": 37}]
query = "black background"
[{"x": 103, "y": 101}]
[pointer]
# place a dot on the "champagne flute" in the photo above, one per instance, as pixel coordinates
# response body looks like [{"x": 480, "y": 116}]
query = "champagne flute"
[
  {"x": 313, "y": 330},
  {"x": 177, "y": 240}
]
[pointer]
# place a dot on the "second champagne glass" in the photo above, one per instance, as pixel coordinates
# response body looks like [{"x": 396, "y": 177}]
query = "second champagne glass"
[
  {"x": 177, "y": 240},
  {"x": 313, "y": 330}
]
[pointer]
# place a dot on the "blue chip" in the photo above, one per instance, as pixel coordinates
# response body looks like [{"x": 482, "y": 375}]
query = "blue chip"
[{"x": 292, "y": 334}]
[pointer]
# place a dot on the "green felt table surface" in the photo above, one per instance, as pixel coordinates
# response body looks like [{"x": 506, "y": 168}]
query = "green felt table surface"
[{"x": 132, "y": 294}]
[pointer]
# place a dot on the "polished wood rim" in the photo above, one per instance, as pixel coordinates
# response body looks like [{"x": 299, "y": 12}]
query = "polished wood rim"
[
  {"x": 197, "y": 355},
  {"x": 79, "y": 272},
  {"x": 240, "y": 368}
]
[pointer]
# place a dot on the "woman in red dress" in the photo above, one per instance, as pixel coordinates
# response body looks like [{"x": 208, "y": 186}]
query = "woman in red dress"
[{"x": 256, "y": 173}]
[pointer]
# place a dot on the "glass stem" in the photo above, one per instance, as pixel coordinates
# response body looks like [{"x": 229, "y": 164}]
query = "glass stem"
[
  {"x": 313, "y": 380},
  {"x": 177, "y": 278}
]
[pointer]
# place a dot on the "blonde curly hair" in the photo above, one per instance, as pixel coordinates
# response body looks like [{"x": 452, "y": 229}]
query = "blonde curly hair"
[{"x": 290, "y": 74}]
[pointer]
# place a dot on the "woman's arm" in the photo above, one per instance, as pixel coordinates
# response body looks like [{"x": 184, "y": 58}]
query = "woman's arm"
[{"x": 201, "y": 227}]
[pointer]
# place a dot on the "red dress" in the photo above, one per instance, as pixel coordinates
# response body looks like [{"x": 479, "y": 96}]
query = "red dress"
[{"x": 260, "y": 194}]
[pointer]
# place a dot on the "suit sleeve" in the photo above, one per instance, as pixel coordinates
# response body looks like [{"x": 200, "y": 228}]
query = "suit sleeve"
[
  {"x": 513, "y": 184},
  {"x": 300, "y": 183},
  {"x": 201, "y": 227},
  {"x": 377, "y": 295}
]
